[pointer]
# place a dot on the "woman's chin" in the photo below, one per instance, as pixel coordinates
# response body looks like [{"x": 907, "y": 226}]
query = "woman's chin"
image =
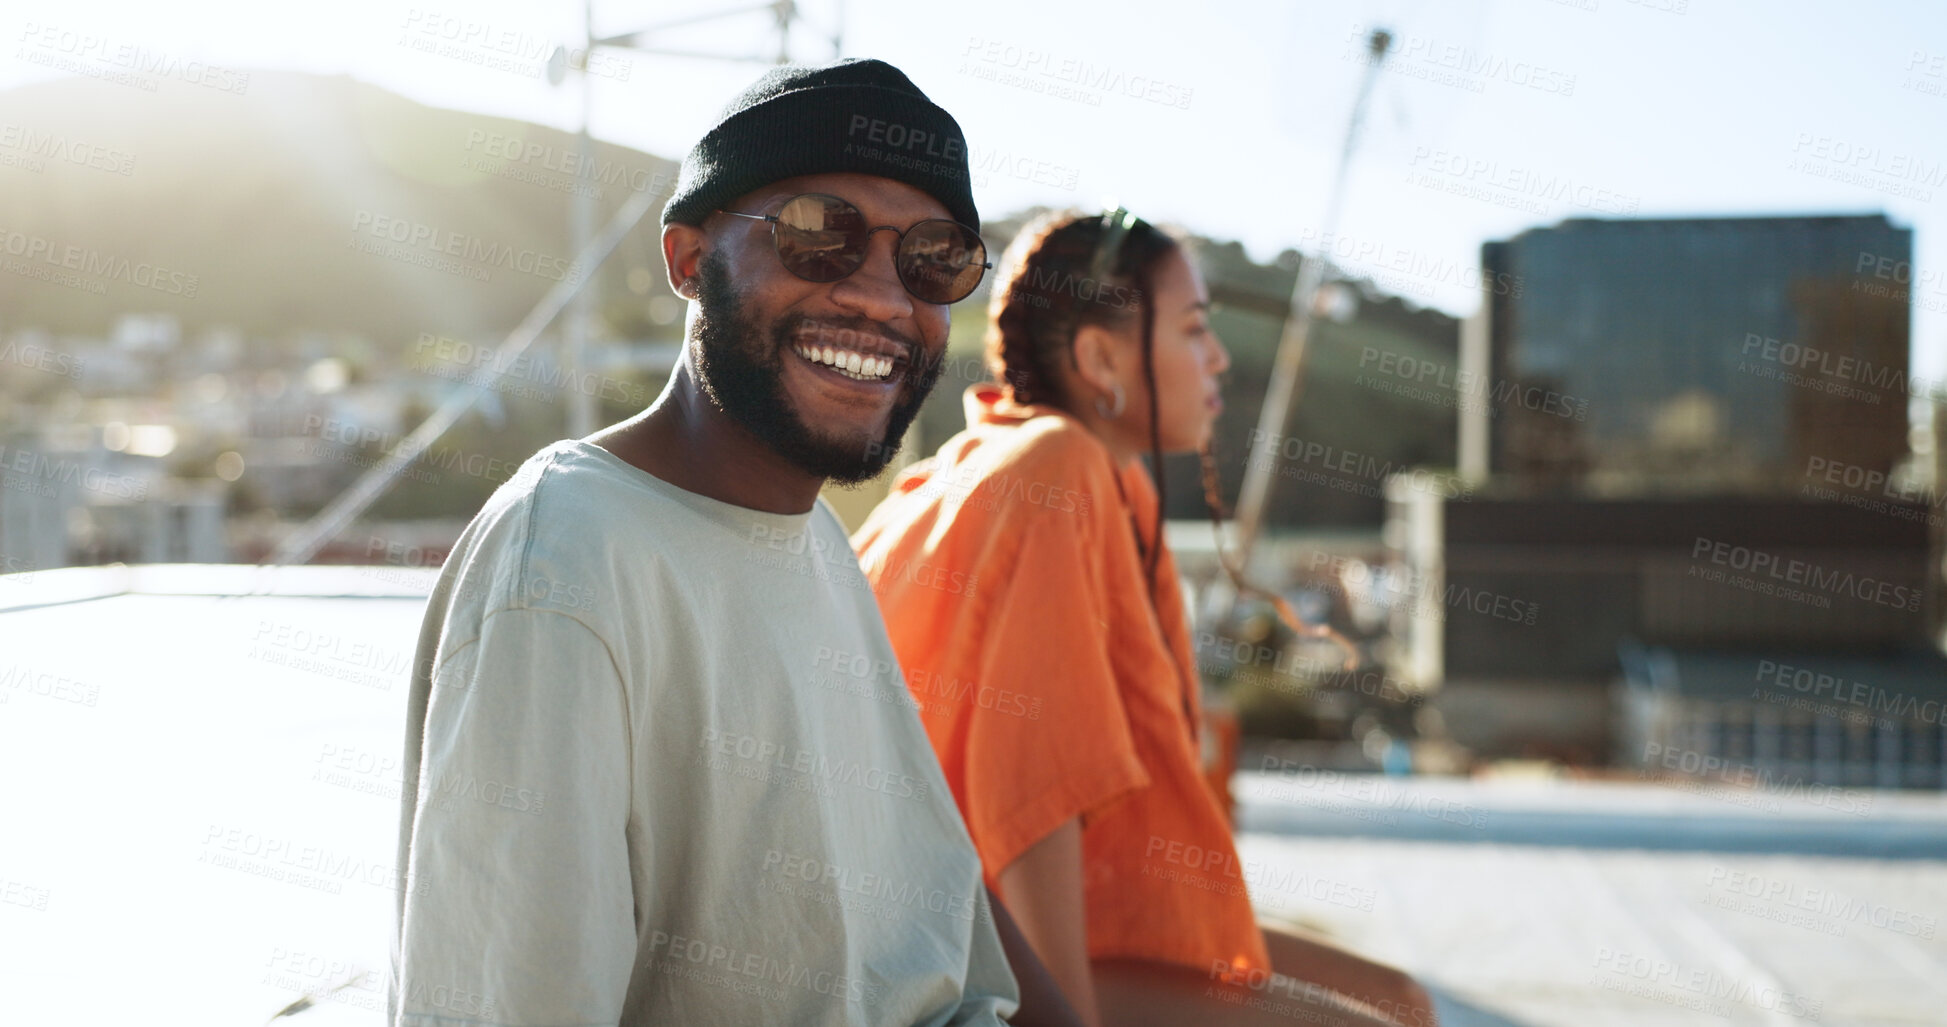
[{"x": 1188, "y": 442}]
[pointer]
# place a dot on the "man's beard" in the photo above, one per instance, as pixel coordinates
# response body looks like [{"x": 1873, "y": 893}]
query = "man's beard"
[{"x": 741, "y": 369}]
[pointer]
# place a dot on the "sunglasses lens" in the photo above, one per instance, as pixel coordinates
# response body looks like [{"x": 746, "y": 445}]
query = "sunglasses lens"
[
  {"x": 820, "y": 238},
  {"x": 941, "y": 261}
]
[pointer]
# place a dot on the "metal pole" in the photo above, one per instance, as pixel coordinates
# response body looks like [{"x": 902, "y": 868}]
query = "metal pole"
[
  {"x": 303, "y": 544},
  {"x": 581, "y": 401},
  {"x": 582, "y": 409},
  {"x": 1283, "y": 389}
]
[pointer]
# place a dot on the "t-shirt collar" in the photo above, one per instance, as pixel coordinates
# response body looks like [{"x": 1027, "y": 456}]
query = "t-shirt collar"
[{"x": 742, "y": 520}]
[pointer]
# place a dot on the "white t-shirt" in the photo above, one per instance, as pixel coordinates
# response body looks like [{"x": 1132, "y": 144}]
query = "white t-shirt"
[{"x": 661, "y": 768}]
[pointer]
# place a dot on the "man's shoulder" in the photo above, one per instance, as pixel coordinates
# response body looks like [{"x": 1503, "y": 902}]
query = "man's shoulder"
[{"x": 547, "y": 538}]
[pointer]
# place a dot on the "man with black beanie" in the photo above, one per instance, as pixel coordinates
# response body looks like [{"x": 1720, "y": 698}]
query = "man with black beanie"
[{"x": 661, "y": 766}]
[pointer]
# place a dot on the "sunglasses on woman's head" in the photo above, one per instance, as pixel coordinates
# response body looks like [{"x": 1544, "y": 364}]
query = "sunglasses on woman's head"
[
  {"x": 1116, "y": 224},
  {"x": 822, "y": 238}
]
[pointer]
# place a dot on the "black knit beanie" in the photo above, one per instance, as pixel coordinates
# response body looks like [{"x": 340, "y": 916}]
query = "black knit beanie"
[{"x": 850, "y": 115}]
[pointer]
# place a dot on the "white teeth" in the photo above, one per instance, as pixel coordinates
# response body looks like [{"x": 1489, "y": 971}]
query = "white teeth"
[{"x": 848, "y": 363}]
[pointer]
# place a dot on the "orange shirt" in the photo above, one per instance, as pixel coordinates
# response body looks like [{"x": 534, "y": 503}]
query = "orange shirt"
[{"x": 1008, "y": 572}]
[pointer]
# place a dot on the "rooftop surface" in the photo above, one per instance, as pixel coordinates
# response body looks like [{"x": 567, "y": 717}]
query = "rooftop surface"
[{"x": 202, "y": 765}]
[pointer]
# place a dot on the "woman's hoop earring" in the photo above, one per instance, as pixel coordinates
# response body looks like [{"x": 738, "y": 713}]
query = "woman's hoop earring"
[{"x": 1120, "y": 399}]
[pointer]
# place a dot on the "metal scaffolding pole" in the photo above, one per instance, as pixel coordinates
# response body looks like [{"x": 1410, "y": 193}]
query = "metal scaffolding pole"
[
  {"x": 581, "y": 402},
  {"x": 1286, "y": 371},
  {"x": 303, "y": 544}
]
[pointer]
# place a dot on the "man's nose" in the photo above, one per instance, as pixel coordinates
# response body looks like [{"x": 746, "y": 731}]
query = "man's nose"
[{"x": 874, "y": 291}]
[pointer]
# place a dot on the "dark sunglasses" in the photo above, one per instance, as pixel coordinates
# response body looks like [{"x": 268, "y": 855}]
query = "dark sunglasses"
[{"x": 822, "y": 238}]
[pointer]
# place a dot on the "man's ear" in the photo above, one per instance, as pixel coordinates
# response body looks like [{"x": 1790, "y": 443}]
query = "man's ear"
[
  {"x": 684, "y": 247},
  {"x": 1097, "y": 358}
]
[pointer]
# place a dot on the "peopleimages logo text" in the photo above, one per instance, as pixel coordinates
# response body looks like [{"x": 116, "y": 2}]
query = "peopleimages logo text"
[
  {"x": 1799, "y": 572},
  {"x": 89, "y": 261},
  {"x": 1844, "y": 367},
  {"x": 414, "y": 234}
]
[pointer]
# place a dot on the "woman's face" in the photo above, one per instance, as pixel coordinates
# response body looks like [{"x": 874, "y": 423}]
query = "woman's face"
[{"x": 1189, "y": 358}]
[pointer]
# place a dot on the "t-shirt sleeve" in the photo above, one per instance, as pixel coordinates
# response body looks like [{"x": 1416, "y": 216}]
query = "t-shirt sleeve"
[
  {"x": 1049, "y": 739},
  {"x": 519, "y": 907}
]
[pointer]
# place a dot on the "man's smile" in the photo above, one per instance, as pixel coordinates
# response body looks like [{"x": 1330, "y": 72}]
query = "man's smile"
[
  {"x": 848, "y": 362},
  {"x": 857, "y": 363}
]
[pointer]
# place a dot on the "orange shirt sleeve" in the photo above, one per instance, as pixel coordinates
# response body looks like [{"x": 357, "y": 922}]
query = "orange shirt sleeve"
[{"x": 1048, "y": 641}]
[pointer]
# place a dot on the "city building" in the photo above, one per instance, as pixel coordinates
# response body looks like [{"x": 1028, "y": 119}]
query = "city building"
[
  {"x": 1689, "y": 456},
  {"x": 1514, "y": 610},
  {"x": 1689, "y": 354}
]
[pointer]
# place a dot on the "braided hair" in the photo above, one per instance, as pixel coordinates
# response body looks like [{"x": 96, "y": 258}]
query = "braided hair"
[{"x": 1048, "y": 288}]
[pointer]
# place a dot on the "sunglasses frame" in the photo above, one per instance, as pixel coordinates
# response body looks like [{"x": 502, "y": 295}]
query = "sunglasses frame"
[{"x": 899, "y": 234}]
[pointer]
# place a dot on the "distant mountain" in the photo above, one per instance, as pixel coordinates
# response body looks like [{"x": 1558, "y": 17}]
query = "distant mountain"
[
  {"x": 305, "y": 204},
  {"x": 324, "y": 205}
]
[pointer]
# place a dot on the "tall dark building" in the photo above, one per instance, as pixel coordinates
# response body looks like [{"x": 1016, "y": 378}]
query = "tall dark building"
[
  {"x": 1685, "y": 440},
  {"x": 1689, "y": 355}
]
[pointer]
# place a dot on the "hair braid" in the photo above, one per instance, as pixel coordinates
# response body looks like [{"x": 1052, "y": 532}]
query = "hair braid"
[
  {"x": 1213, "y": 497},
  {"x": 1155, "y": 547},
  {"x": 1022, "y": 367},
  {"x": 1044, "y": 295}
]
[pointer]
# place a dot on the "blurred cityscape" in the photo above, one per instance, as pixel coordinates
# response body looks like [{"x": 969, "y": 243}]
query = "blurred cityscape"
[{"x": 1668, "y": 502}]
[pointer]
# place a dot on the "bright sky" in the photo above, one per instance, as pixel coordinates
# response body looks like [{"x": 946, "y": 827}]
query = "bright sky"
[{"x": 1656, "y": 107}]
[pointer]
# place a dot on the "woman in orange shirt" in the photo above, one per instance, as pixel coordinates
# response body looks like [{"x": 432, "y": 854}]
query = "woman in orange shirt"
[{"x": 1037, "y": 616}]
